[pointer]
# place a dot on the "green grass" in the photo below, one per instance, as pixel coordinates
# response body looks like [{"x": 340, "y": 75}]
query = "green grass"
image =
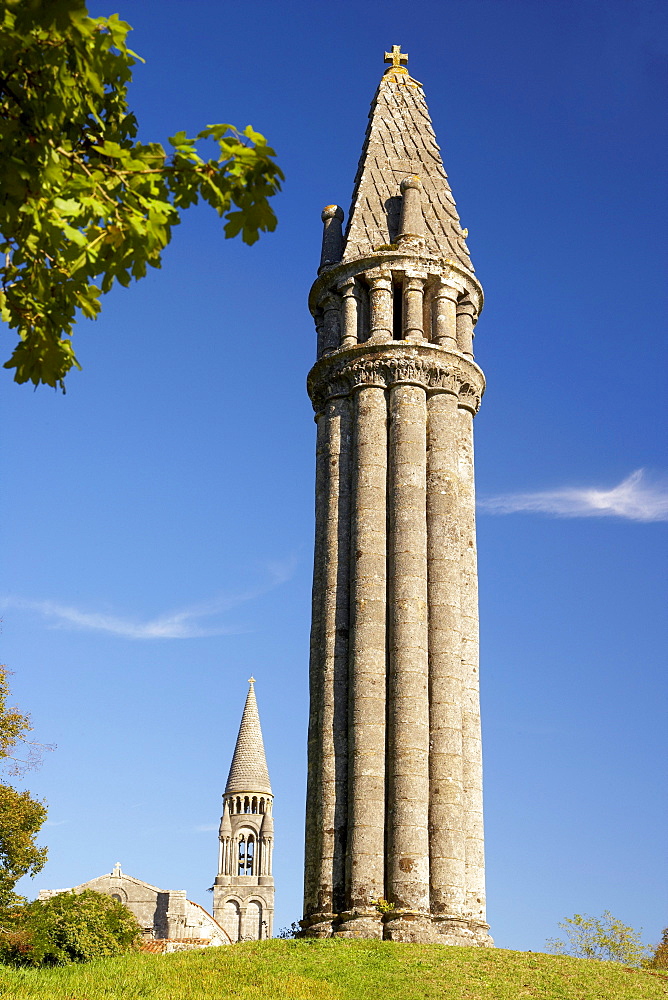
[{"x": 336, "y": 970}]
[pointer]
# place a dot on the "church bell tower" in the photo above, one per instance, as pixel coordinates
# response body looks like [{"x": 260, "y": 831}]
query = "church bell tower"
[
  {"x": 394, "y": 831},
  {"x": 243, "y": 893}
]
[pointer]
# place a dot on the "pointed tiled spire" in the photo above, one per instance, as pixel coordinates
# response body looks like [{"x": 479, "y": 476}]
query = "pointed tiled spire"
[
  {"x": 400, "y": 143},
  {"x": 248, "y": 771}
]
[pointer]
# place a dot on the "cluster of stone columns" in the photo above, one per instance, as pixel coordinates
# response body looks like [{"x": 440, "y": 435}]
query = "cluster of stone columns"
[
  {"x": 431, "y": 310},
  {"x": 394, "y": 838},
  {"x": 394, "y": 809}
]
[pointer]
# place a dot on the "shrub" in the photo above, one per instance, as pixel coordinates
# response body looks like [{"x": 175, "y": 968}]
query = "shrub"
[
  {"x": 659, "y": 959},
  {"x": 69, "y": 927},
  {"x": 293, "y": 931},
  {"x": 604, "y": 938}
]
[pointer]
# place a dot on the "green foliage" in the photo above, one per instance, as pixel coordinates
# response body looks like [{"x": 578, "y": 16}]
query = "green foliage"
[
  {"x": 13, "y": 739},
  {"x": 83, "y": 203},
  {"x": 69, "y": 927},
  {"x": 604, "y": 938},
  {"x": 13, "y": 724},
  {"x": 659, "y": 959},
  {"x": 20, "y": 815},
  {"x": 293, "y": 931},
  {"x": 21, "y": 818},
  {"x": 383, "y": 906},
  {"x": 336, "y": 970}
]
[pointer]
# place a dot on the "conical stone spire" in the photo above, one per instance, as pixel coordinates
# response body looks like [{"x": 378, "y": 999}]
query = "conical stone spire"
[
  {"x": 248, "y": 771},
  {"x": 400, "y": 142}
]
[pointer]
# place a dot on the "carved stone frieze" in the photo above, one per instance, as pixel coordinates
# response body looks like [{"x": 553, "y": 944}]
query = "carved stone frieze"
[{"x": 385, "y": 365}]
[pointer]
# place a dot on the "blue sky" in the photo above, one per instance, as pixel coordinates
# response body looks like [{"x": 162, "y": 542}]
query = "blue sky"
[{"x": 158, "y": 518}]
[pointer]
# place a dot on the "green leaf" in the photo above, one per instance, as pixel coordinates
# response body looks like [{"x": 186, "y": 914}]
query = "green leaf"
[
  {"x": 83, "y": 203},
  {"x": 74, "y": 234}
]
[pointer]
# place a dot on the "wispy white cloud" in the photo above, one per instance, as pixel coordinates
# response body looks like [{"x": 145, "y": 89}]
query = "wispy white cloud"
[
  {"x": 183, "y": 623},
  {"x": 206, "y": 828},
  {"x": 636, "y": 498}
]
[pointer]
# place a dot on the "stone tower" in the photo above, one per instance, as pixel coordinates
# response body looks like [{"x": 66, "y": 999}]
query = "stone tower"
[
  {"x": 394, "y": 803},
  {"x": 243, "y": 893}
]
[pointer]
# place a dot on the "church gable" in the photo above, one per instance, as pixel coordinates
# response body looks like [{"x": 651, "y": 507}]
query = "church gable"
[{"x": 163, "y": 915}]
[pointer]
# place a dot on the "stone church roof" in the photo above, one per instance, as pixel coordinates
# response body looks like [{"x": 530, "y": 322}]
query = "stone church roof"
[
  {"x": 400, "y": 142},
  {"x": 248, "y": 771}
]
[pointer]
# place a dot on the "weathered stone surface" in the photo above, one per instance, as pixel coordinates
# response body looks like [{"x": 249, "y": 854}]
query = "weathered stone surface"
[
  {"x": 326, "y": 808},
  {"x": 366, "y": 744},
  {"x": 446, "y": 797},
  {"x": 362, "y": 923},
  {"x": 407, "y": 664},
  {"x": 394, "y": 838}
]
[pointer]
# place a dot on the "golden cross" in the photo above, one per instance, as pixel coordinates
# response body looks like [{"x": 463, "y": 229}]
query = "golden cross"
[{"x": 396, "y": 57}]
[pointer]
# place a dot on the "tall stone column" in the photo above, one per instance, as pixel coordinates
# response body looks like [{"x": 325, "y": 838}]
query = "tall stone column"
[
  {"x": 395, "y": 302},
  {"x": 471, "y": 733},
  {"x": 447, "y": 831},
  {"x": 326, "y": 816},
  {"x": 408, "y": 704},
  {"x": 366, "y": 743}
]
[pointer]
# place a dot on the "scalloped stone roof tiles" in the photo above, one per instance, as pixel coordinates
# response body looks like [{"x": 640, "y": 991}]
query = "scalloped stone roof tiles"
[
  {"x": 400, "y": 141},
  {"x": 248, "y": 771}
]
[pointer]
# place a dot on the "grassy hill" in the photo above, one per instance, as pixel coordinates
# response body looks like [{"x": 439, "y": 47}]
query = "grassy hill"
[{"x": 337, "y": 970}]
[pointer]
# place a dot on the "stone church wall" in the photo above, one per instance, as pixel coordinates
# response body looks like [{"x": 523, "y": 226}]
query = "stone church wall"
[{"x": 165, "y": 915}]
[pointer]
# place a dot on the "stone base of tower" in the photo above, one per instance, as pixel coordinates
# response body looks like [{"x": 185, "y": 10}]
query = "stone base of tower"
[
  {"x": 318, "y": 925},
  {"x": 418, "y": 928},
  {"x": 411, "y": 927},
  {"x": 359, "y": 924},
  {"x": 481, "y": 933},
  {"x": 450, "y": 930}
]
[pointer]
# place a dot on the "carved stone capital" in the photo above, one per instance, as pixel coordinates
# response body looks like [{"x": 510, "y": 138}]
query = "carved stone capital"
[
  {"x": 379, "y": 279},
  {"x": 385, "y": 365}
]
